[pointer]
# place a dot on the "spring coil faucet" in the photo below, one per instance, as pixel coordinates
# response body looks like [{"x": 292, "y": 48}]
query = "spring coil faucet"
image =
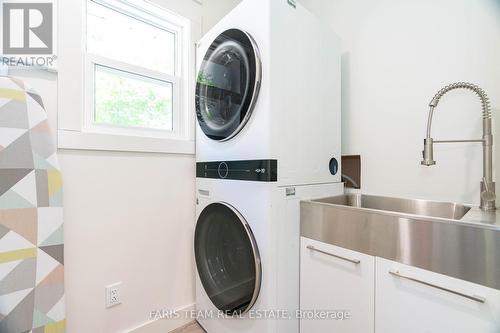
[{"x": 488, "y": 196}]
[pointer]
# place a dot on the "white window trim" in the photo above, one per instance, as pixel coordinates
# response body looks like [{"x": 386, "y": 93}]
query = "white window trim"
[
  {"x": 178, "y": 116},
  {"x": 75, "y": 131}
]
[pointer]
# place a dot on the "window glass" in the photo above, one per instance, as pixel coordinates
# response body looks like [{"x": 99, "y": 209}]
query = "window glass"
[
  {"x": 125, "y": 99},
  {"x": 128, "y": 39}
]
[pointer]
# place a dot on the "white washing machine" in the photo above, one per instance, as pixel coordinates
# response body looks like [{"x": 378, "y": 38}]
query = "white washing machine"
[
  {"x": 247, "y": 254},
  {"x": 268, "y": 88}
]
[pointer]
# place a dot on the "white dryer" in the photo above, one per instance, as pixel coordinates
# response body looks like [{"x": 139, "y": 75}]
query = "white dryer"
[
  {"x": 268, "y": 88},
  {"x": 247, "y": 254}
]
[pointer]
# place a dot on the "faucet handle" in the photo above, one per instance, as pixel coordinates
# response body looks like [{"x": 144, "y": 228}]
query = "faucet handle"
[
  {"x": 488, "y": 194},
  {"x": 428, "y": 153}
]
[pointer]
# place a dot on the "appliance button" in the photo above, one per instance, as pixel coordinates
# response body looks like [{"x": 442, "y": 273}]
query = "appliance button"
[{"x": 223, "y": 170}]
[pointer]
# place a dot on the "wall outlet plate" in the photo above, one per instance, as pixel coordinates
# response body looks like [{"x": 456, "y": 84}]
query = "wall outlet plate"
[{"x": 113, "y": 295}]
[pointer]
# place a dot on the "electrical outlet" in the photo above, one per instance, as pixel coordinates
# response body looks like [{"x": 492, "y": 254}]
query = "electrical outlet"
[{"x": 113, "y": 297}]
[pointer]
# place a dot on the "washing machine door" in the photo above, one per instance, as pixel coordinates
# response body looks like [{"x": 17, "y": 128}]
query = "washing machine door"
[
  {"x": 227, "y": 259},
  {"x": 228, "y": 84}
]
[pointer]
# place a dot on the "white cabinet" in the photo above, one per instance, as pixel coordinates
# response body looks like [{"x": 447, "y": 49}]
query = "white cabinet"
[
  {"x": 413, "y": 300},
  {"x": 384, "y": 296},
  {"x": 336, "y": 280}
]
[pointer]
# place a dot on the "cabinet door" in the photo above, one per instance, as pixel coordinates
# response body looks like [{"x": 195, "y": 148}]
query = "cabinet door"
[
  {"x": 413, "y": 300},
  {"x": 335, "y": 279}
]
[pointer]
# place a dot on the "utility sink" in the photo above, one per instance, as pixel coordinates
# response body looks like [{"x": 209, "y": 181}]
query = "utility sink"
[
  {"x": 406, "y": 206},
  {"x": 447, "y": 238}
]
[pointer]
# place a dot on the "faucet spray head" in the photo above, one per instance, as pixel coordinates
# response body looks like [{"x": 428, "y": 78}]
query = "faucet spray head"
[{"x": 428, "y": 153}]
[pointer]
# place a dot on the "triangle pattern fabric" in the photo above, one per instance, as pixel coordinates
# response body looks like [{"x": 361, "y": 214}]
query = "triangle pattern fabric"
[
  {"x": 48, "y": 294},
  {"x": 10, "y": 177},
  {"x": 42, "y": 127},
  {"x": 9, "y": 135},
  {"x": 12, "y": 200},
  {"x": 52, "y": 160},
  {"x": 4, "y": 101},
  {"x": 26, "y": 188},
  {"x": 37, "y": 98},
  {"x": 55, "y": 239},
  {"x": 7, "y": 267},
  {"x": 20, "y": 319},
  {"x": 39, "y": 143},
  {"x": 50, "y": 219},
  {"x": 13, "y": 114},
  {"x": 57, "y": 312},
  {"x": 18, "y": 154},
  {"x": 55, "y": 251},
  {"x": 40, "y": 319},
  {"x": 20, "y": 278},
  {"x": 10, "y": 301},
  {"x": 44, "y": 265},
  {"x": 41, "y": 163},
  {"x": 3, "y": 231},
  {"x": 12, "y": 241},
  {"x": 22, "y": 221},
  {"x": 31, "y": 219},
  {"x": 36, "y": 114}
]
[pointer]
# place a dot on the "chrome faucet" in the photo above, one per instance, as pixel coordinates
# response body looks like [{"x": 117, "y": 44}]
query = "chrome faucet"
[{"x": 488, "y": 195}]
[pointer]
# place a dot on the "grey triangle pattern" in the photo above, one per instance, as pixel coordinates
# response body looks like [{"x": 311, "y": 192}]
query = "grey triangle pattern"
[
  {"x": 41, "y": 143},
  {"x": 3, "y": 231},
  {"x": 18, "y": 155},
  {"x": 47, "y": 295},
  {"x": 55, "y": 251},
  {"x": 37, "y": 98},
  {"x": 21, "y": 278},
  {"x": 20, "y": 319},
  {"x": 14, "y": 114},
  {"x": 11, "y": 177},
  {"x": 34, "y": 148},
  {"x": 42, "y": 188}
]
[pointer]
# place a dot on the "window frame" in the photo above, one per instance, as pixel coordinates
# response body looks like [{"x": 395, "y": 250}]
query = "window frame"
[
  {"x": 92, "y": 61},
  {"x": 72, "y": 86}
]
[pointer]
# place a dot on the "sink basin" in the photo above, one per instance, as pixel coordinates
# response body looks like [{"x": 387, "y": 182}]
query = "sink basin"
[
  {"x": 445, "y": 238},
  {"x": 406, "y": 206}
]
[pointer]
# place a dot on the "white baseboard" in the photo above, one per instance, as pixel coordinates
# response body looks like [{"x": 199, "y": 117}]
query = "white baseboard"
[{"x": 165, "y": 325}]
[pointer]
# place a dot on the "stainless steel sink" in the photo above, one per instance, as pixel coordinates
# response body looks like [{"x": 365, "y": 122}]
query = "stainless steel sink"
[
  {"x": 406, "y": 206},
  {"x": 446, "y": 238}
]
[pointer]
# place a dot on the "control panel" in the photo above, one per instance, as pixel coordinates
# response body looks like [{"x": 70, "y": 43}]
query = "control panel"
[{"x": 253, "y": 170}]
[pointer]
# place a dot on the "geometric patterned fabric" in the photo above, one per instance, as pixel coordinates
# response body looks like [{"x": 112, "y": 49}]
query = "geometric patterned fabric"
[{"x": 31, "y": 220}]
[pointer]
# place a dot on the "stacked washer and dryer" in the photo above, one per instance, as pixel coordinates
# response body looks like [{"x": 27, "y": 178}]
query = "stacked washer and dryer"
[{"x": 268, "y": 136}]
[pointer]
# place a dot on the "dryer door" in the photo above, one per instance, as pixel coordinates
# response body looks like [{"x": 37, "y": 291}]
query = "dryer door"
[
  {"x": 227, "y": 259},
  {"x": 228, "y": 84}
]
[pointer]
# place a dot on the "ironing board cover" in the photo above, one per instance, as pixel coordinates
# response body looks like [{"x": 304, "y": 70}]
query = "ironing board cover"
[{"x": 31, "y": 220}]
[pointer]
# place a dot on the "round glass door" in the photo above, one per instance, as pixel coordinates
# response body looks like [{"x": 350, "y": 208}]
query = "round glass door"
[
  {"x": 227, "y": 259},
  {"x": 227, "y": 85}
]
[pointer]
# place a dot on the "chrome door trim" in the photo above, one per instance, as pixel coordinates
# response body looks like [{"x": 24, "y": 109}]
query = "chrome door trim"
[
  {"x": 256, "y": 256},
  {"x": 255, "y": 251},
  {"x": 256, "y": 87},
  {"x": 475, "y": 298}
]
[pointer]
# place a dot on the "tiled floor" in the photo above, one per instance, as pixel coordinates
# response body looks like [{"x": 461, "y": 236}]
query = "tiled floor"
[{"x": 192, "y": 328}]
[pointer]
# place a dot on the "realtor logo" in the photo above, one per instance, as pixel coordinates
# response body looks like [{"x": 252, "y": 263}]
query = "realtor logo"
[{"x": 28, "y": 28}]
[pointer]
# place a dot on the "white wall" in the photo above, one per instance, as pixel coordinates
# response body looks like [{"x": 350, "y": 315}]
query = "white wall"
[
  {"x": 397, "y": 55},
  {"x": 129, "y": 217},
  {"x": 214, "y": 10}
]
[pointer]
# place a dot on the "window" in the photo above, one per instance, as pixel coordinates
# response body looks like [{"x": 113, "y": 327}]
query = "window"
[{"x": 135, "y": 70}]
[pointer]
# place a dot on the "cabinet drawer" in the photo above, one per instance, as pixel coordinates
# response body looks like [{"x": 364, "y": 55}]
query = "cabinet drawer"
[
  {"x": 336, "y": 279},
  {"x": 410, "y": 299}
]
